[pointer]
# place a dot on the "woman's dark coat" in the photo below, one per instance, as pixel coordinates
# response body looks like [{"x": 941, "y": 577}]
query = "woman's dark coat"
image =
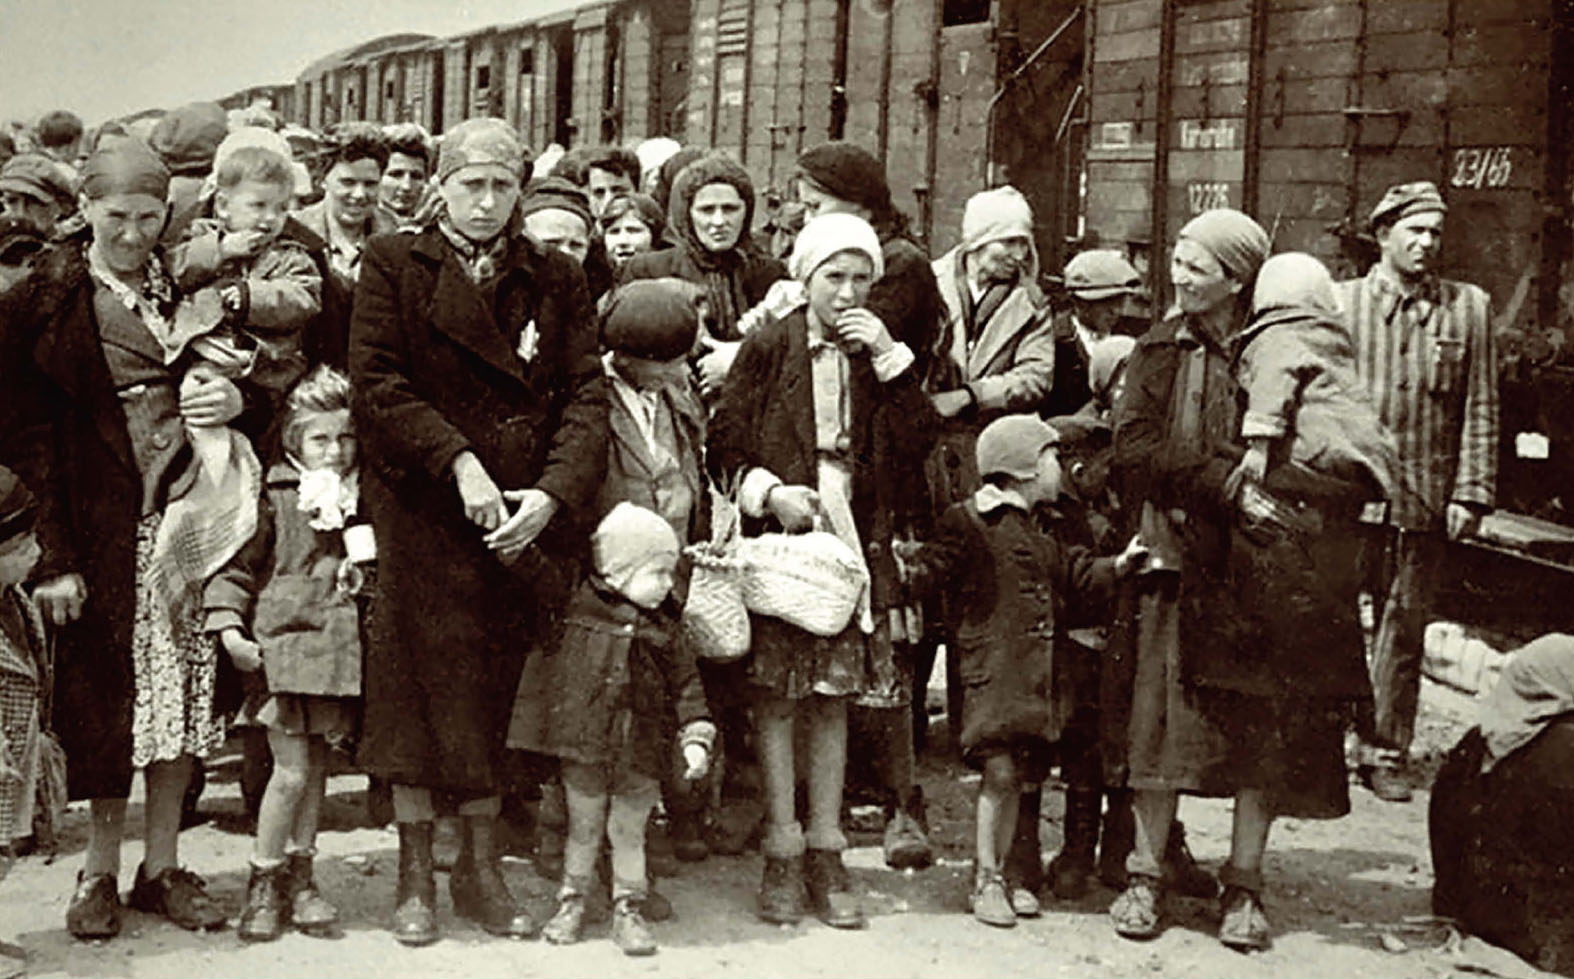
[
  {"x": 755, "y": 272},
  {"x": 765, "y": 418},
  {"x": 435, "y": 372},
  {"x": 63, "y": 431}
]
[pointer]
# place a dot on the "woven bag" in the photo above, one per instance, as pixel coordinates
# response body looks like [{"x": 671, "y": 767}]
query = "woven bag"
[
  {"x": 812, "y": 581},
  {"x": 715, "y": 620}
]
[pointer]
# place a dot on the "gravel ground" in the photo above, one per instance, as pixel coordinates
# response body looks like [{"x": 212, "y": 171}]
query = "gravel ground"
[{"x": 1347, "y": 898}]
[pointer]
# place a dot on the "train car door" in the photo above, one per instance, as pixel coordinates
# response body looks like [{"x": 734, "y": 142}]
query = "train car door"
[{"x": 967, "y": 79}]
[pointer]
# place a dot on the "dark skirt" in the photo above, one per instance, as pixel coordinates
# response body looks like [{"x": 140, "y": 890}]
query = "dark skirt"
[
  {"x": 789, "y": 663},
  {"x": 1213, "y": 742}
]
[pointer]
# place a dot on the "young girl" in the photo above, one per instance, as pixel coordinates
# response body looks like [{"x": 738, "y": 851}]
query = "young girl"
[
  {"x": 605, "y": 703},
  {"x": 1013, "y": 584},
  {"x": 286, "y": 604}
]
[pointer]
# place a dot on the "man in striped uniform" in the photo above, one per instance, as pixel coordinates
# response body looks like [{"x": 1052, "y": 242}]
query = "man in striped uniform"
[{"x": 1425, "y": 349}]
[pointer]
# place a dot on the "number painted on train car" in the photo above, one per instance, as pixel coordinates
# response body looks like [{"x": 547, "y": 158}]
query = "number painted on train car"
[
  {"x": 1207, "y": 195},
  {"x": 1481, "y": 167}
]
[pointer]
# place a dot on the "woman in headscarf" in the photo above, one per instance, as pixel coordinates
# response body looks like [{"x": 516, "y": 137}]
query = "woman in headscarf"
[
  {"x": 710, "y": 217},
  {"x": 99, "y": 424},
  {"x": 843, "y": 178},
  {"x": 482, "y": 407},
  {"x": 1208, "y": 713},
  {"x": 816, "y": 413},
  {"x": 1502, "y": 812}
]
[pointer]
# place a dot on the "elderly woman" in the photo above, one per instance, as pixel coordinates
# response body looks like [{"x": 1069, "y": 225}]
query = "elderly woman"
[
  {"x": 816, "y": 413},
  {"x": 345, "y": 219},
  {"x": 482, "y": 407},
  {"x": 99, "y": 423},
  {"x": 1248, "y": 655},
  {"x": 710, "y": 215},
  {"x": 843, "y": 178}
]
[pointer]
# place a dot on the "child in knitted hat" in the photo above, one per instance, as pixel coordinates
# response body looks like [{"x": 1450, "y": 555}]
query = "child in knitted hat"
[
  {"x": 1016, "y": 590},
  {"x": 606, "y": 702}
]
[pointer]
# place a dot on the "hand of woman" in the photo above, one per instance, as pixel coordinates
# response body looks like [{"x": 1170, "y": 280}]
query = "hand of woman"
[
  {"x": 1461, "y": 520},
  {"x": 715, "y": 364},
  {"x": 794, "y": 507},
  {"x": 1132, "y": 558},
  {"x": 243, "y": 652},
  {"x": 482, "y": 500},
  {"x": 210, "y": 403},
  {"x": 1251, "y": 469},
  {"x": 696, "y": 762},
  {"x": 863, "y": 327},
  {"x": 536, "y": 510},
  {"x": 949, "y": 404},
  {"x": 61, "y": 598}
]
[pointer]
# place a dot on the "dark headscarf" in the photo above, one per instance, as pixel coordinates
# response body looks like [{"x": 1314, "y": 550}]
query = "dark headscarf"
[
  {"x": 723, "y": 283},
  {"x": 668, "y": 174},
  {"x": 125, "y": 166}
]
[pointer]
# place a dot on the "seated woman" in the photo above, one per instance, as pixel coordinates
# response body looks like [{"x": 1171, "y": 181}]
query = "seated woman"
[{"x": 1502, "y": 812}]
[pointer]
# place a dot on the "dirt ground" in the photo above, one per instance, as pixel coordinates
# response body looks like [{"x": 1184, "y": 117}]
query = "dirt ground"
[{"x": 1346, "y": 898}]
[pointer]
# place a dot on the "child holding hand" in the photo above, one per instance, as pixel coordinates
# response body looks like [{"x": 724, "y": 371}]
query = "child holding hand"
[
  {"x": 606, "y": 702},
  {"x": 286, "y": 605},
  {"x": 1013, "y": 585}
]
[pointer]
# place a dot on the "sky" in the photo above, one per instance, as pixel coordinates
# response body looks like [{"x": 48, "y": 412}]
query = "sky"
[{"x": 107, "y": 58}]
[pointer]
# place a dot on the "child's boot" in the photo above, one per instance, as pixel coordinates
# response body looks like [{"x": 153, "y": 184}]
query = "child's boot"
[
  {"x": 991, "y": 899},
  {"x": 415, "y": 908},
  {"x": 568, "y": 923},
  {"x": 629, "y": 930},
  {"x": 1072, "y": 868},
  {"x": 830, "y": 898},
  {"x": 781, "y": 886},
  {"x": 906, "y": 842},
  {"x": 267, "y": 905},
  {"x": 309, "y": 910},
  {"x": 477, "y": 886}
]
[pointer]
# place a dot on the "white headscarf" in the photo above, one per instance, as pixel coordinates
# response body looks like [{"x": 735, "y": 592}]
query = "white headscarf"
[{"x": 831, "y": 234}]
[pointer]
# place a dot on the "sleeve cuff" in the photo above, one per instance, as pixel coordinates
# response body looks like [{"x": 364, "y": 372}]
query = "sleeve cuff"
[
  {"x": 702, "y": 733},
  {"x": 893, "y": 362},
  {"x": 757, "y": 485},
  {"x": 224, "y": 618},
  {"x": 981, "y": 394},
  {"x": 1259, "y": 424}
]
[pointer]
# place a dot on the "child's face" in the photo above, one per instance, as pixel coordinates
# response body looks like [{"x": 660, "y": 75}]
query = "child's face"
[
  {"x": 652, "y": 581},
  {"x": 1046, "y": 484},
  {"x": 18, "y": 556},
  {"x": 253, "y": 206},
  {"x": 646, "y": 374},
  {"x": 328, "y": 442}
]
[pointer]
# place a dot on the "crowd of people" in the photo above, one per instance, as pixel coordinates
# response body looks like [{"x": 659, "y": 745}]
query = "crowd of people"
[{"x": 441, "y": 457}]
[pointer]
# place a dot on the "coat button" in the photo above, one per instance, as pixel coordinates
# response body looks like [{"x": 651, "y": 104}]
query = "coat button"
[{"x": 161, "y": 441}]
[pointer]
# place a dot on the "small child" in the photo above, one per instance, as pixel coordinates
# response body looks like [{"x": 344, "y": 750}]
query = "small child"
[
  {"x": 1305, "y": 404},
  {"x": 286, "y": 604},
  {"x": 250, "y": 291},
  {"x": 606, "y": 703},
  {"x": 22, "y": 677},
  {"x": 1013, "y": 584}
]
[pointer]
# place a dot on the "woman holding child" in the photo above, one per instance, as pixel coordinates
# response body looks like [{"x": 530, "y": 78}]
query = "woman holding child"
[
  {"x": 101, "y": 426},
  {"x": 1247, "y": 654},
  {"x": 481, "y": 406}
]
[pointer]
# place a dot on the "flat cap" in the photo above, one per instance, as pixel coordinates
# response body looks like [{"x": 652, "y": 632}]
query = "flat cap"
[
  {"x": 1101, "y": 274},
  {"x": 1403, "y": 200}
]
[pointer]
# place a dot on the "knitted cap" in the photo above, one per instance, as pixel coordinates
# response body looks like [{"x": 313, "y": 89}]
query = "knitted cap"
[
  {"x": 829, "y": 234},
  {"x": 1011, "y": 445},
  {"x": 656, "y": 319},
  {"x": 626, "y": 539},
  {"x": 557, "y": 194}
]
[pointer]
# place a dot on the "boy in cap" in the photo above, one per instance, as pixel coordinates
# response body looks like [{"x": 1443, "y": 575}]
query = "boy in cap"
[
  {"x": 1425, "y": 350},
  {"x": 1098, "y": 282},
  {"x": 1015, "y": 587}
]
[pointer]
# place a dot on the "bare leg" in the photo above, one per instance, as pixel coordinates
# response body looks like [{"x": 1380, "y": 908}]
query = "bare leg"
[
  {"x": 104, "y": 836},
  {"x": 774, "y": 721},
  {"x": 626, "y": 818},
  {"x": 1249, "y": 834},
  {"x": 308, "y": 811},
  {"x": 998, "y": 794},
  {"x": 827, "y": 771},
  {"x": 587, "y": 826},
  {"x": 281, "y": 799},
  {"x": 166, "y": 785}
]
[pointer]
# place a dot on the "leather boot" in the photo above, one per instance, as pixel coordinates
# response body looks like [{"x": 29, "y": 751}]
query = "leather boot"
[
  {"x": 415, "y": 909},
  {"x": 477, "y": 886},
  {"x": 309, "y": 910},
  {"x": 1118, "y": 839},
  {"x": 830, "y": 898},
  {"x": 267, "y": 905},
  {"x": 1073, "y": 865},
  {"x": 781, "y": 891}
]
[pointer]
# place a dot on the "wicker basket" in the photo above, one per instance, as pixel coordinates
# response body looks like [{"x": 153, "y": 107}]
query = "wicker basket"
[
  {"x": 812, "y": 581},
  {"x": 715, "y": 620}
]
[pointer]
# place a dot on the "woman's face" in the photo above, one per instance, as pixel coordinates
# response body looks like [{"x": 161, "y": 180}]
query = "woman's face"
[
  {"x": 1003, "y": 260},
  {"x": 18, "y": 556},
  {"x": 328, "y": 441},
  {"x": 126, "y": 228},
  {"x": 403, "y": 180},
  {"x": 717, "y": 213},
  {"x": 1201, "y": 284},
  {"x": 351, "y": 190},
  {"x": 840, "y": 283},
  {"x": 626, "y": 237},
  {"x": 480, "y": 199}
]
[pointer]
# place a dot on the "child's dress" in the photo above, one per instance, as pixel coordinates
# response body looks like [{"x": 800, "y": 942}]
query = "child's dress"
[
  {"x": 1011, "y": 584},
  {"x": 614, "y": 693},
  {"x": 288, "y": 590}
]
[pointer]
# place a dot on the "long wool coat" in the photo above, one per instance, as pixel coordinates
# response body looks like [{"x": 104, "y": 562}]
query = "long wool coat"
[
  {"x": 436, "y": 367},
  {"x": 63, "y": 431},
  {"x": 765, "y": 418}
]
